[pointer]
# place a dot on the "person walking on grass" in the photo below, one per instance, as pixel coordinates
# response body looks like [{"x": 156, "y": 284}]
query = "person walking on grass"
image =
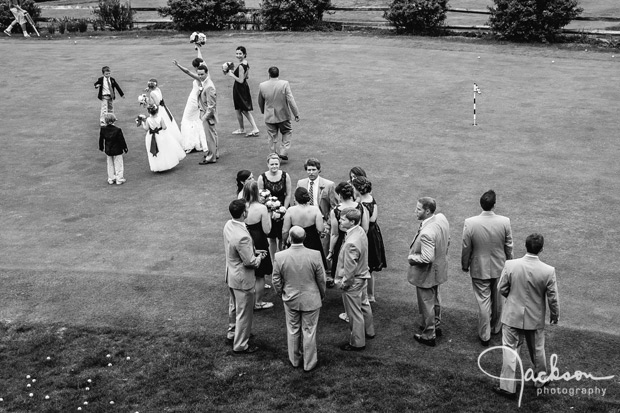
[
  {"x": 529, "y": 285},
  {"x": 277, "y": 103}
]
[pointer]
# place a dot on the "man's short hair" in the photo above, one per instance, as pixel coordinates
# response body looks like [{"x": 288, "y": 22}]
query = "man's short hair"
[
  {"x": 109, "y": 118},
  {"x": 312, "y": 162},
  {"x": 273, "y": 71},
  {"x": 297, "y": 234},
  {"x": 352, "y": 214},
  {"x": 534, "y": 243},
  {"x": 428, "y": 203},
  {"x": 203, "y": 66},
  {"x": 237, "y": 208},
  {"x": 105, "y": 69},
  {"x": 487, "y": 200}
]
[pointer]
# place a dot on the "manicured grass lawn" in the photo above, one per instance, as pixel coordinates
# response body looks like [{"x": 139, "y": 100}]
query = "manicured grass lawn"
[{"x": 124, "y": 268}]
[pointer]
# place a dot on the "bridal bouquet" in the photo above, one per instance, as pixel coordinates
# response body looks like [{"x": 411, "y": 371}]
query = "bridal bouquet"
[
  {"x": 140, "y": 119},
  {"x": 274, "y": 206},
  {"x": 227, "y": 67},
  {"x": 142, "y": 99},
  {"x": 199, "y": 38}
]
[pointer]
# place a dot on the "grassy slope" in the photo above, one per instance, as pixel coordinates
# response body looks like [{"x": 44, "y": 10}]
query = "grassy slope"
[{"x": 147, "y": 255}]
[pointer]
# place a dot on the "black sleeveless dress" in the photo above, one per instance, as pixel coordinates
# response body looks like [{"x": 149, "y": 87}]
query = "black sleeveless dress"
[
  {"x": 260, "y": 243},
  {"x": 241, "y": 91},
  {"x": 313, "y": 241},
  {"x": 277, "y": 189},
  {"x": 376, "y": 249},
  {"x": 341, "y": 234}
]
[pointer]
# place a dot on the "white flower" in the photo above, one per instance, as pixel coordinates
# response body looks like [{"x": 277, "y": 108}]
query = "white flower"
[
  {"x": 282, "y": 209},
  {"x": 276, "y": 204}
]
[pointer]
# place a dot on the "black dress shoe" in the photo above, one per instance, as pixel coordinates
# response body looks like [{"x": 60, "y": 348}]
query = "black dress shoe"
[
  {"x": 283, "y": 157},
  {"x": 504, "y": 393},
  {"x": 349, "y": 347},
  {"x": 205, "y": 162},
  {"x": 249, "y": 350},
  {"x": 485, "y": 343},
  {"x": 369, "y": 337},
  {"x": 425, "y": 341}
]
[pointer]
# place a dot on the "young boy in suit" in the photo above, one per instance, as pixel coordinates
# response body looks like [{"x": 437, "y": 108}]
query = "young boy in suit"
[
  {"x": 106, "y": 85},
  {"x": 112, "y": 142}
]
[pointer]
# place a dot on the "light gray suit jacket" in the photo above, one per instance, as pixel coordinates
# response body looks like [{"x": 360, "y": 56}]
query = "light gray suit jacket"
[
  {"x": 299, "y": 276},
  {"x": 240, "y": 258},
  {"x": 276, "y": 101},
  {"x": 526, "y": 282},
  {"x": 207, "y": 101},
  {"x": 353, "y": 257},
  {"x": 428, "y": 254},
  {"x": 327, "y": 194},
  {"x": 487, "y": 244}
]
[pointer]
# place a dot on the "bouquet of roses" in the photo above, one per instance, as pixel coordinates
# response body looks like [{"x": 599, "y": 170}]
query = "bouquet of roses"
[
  {"x": 227, "y": 67},
  {"x": 275, "y": 207},
  {"x": 140, "y": 119},
  {"x": 199, "y": 38},
  {"x": 142, "y": 99}
]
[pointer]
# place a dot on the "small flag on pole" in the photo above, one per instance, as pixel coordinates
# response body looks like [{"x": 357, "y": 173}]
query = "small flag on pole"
[{"x": 476, "y": 91}]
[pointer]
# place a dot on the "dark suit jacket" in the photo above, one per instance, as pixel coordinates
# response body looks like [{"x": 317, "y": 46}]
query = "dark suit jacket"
[
  {"x": 99, "y": 84},
  {"x": 327, "y": 194},
  {"x": 299, "y": 276},
  {"x": 428, "y": 257},
  {"x": 112, "y": 141}
]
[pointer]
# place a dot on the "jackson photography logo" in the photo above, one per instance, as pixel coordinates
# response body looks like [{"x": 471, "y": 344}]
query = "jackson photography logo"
[{"x": 553, "y": 375}]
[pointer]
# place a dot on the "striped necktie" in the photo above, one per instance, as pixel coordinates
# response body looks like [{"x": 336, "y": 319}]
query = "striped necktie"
[{"x": 311, "y": 192}]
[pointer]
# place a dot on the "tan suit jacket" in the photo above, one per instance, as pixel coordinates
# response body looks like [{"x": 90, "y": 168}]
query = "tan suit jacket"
[
  {"x": 353, "y": 257},
  {"x": 487, "y": 244},
  {"x": 240, "y": 258},
  {"x": 299, "y": 276},
  {"x": 207, "y": 101},
  {"x": 276, "y": 101},
  {"x": 326, "y": 196},
  {"x": 428, "y": 253},
  {"x": 526, "y": 282}
]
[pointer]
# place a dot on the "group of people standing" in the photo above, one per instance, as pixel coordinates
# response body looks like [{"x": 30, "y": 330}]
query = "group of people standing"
[
  {"x": 347, "y": 211},
  {"x": 512, "y": 294},
  {"x": 167, "y": 144},
  {"x": 326, "y": 237}
]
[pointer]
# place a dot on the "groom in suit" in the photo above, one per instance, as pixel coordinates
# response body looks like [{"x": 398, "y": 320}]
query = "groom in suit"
[
  {"x": 323, "y": 195},
  {"x": 207, "y": 103},
  {"x": 429, "y": 267},
  {"x": 276, "y": 102},
  {"x": 241, "y": 260}
]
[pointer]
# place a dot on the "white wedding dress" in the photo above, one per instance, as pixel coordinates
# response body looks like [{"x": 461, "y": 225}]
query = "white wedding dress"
[
  {"x": 173, "y": 130},
  {"x": 191, "y": 126}
]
